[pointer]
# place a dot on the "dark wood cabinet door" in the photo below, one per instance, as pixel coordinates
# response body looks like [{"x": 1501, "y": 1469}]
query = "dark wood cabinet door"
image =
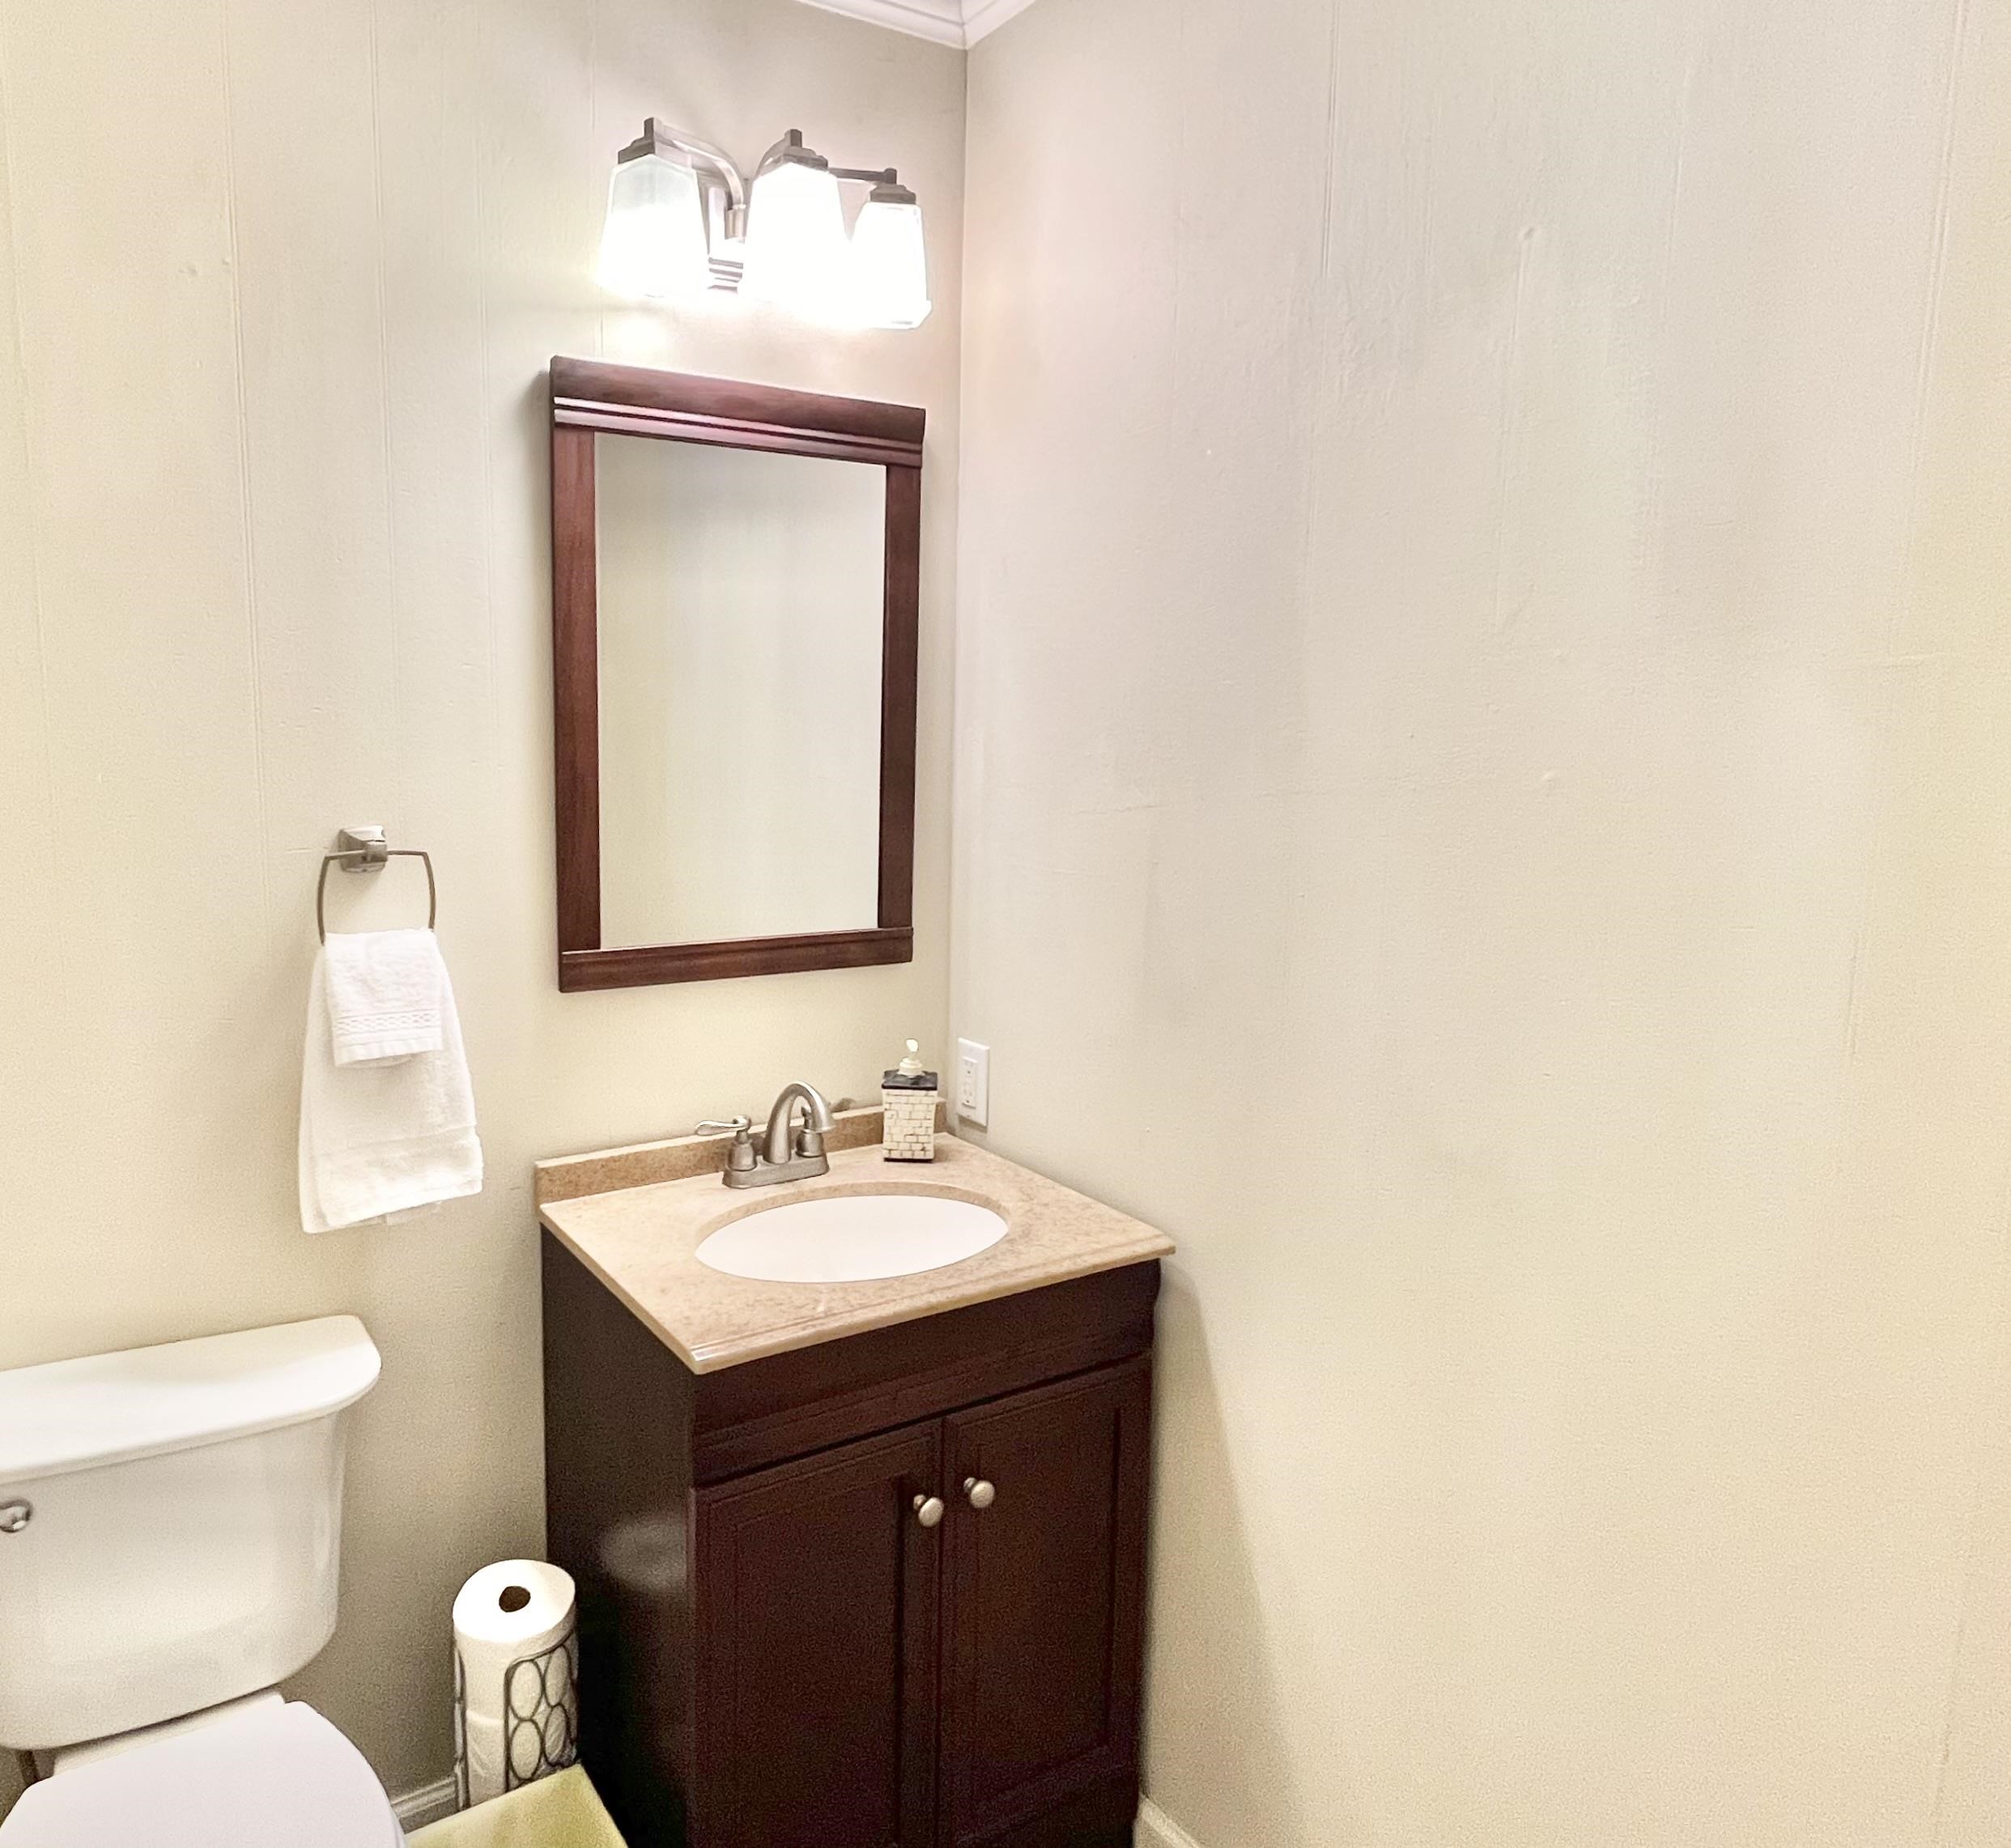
[
  {"x": 1043, "y": 1608},
  {"x": 815, "y": 1702}
]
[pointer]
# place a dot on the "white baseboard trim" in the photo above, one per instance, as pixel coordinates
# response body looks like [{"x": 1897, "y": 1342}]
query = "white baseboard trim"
[
  {"x": 428, "y": 1804},
  {"x": 431, "y": 1801},
  {"x": 1157, "y": 1829}
]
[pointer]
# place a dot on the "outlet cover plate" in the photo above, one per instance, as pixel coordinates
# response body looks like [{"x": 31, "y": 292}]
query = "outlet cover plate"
[{"x": 974, "y": 1082}]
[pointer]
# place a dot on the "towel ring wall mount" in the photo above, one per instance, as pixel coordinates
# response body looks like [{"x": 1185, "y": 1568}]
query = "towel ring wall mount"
[{"x": 365, "y": 850}]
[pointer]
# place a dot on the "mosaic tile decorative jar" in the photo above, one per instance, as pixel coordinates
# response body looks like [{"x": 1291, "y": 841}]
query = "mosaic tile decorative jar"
[{"x": 907, "y": 1110}]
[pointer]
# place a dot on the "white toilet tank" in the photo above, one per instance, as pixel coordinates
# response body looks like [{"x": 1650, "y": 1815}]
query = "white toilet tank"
[{"x": 170, "y": 1525}]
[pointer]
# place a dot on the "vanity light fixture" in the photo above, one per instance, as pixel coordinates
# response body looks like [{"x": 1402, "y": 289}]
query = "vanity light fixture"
[
  {"x": 889, "y": 259},
  {"x": 796, "y": 232},
  {"x": 677, "y": 215},
  {"x": 681, "y": 219}
]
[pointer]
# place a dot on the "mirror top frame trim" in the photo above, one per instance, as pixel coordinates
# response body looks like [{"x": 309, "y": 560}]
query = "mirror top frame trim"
[
  {"x": 638, "y": 401},
  {"x": 589, "y": 397}
]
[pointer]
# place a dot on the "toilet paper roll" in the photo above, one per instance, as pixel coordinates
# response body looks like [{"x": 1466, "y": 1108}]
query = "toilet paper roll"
[{"x": 517, "y": 1680}]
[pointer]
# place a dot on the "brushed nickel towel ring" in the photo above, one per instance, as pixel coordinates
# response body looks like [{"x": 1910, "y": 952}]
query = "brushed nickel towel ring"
[{"x": 365, "y": 850}]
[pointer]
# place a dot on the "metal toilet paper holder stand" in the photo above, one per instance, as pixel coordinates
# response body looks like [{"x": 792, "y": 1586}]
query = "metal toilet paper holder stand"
[{"x": 543, "y": 1723}]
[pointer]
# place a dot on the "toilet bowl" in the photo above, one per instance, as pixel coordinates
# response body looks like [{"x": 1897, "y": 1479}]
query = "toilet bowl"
[
  {"x": 271, "y": 1773},
  {"x": 170, "y": 1550}
]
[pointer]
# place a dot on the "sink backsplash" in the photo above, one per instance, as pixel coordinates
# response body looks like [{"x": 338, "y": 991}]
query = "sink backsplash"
[{"x": 643, "y": 1164}]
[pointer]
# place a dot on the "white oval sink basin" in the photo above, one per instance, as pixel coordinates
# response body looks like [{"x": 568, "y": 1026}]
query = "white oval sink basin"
[{"x": 853, "y": 1238}]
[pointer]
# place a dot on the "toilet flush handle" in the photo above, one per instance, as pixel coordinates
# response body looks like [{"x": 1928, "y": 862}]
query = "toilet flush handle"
[{"x": 15, "y": 1515}]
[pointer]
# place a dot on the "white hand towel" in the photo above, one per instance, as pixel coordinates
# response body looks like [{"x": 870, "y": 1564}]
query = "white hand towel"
[
  {"x": 383, "y": 990},
  {"x": 381, "y": 1138}
]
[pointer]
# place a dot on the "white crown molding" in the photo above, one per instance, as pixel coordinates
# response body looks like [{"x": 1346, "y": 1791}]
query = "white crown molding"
[
  {"x": 983, "y": 16},
  {"x": 959, "y": 23},
  {"x": 940, "y": 20}
]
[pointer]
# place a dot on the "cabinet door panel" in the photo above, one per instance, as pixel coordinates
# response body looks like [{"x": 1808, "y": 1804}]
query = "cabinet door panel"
[
  {"x": 817, "y": 1653},
  {"x": 1044, "y": 1592}
]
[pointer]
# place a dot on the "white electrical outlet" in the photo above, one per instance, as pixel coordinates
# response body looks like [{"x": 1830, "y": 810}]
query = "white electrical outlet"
[{"x": 974, "y": 1082}]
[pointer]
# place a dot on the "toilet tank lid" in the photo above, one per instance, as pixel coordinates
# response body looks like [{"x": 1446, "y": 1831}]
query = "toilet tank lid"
[{"x": 107, "y": 1408}]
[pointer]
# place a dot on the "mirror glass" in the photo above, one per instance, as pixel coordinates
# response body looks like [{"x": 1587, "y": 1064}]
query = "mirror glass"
[{"x": 741, "y": 603}]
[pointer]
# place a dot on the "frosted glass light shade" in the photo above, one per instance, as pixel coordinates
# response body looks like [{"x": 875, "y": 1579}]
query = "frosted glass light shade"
[
  {"x": 890, "y": 265},
  {"x": 653, "y": 243},
  {"x": 797, "y": 254}
]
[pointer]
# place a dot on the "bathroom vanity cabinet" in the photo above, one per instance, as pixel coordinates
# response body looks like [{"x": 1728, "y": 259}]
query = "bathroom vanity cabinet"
[{"x": 884, "y": 1592}]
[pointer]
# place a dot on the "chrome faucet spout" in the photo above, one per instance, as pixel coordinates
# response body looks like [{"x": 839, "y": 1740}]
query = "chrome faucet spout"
[
  {"x": 780, "y": 1145},
  {"x": 787, "y": 1152}
]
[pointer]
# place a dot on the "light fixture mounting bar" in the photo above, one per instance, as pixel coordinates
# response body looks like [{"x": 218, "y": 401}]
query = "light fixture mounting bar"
[{"x": 885, "y": 183}]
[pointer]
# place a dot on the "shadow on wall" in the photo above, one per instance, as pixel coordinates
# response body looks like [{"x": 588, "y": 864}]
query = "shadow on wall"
[
  {"x": 1211, "y": 1674},
  {"x": 10, "y": 1783}
]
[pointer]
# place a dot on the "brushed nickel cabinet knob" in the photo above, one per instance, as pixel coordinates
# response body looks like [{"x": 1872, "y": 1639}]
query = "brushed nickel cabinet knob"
[
  {"x": 929, "y": 1509},
  {"x": 981, "y": 1493}
]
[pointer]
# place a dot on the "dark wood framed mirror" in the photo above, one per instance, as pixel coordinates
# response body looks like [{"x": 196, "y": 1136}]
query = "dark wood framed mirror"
[{"x": 736, "y": 575}]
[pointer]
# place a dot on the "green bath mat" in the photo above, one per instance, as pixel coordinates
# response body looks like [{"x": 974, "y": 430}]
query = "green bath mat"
[{"x": 560, "y": 1811}]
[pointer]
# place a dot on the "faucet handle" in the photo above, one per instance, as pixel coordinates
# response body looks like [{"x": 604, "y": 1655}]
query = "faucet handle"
[{"x": 739, "y": 1158}]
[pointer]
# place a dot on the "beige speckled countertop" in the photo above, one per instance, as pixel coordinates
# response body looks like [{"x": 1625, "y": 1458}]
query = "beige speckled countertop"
[{"x": 640, "y": 1241}]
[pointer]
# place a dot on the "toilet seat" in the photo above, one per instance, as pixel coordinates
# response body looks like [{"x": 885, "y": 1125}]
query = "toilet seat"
[{"x": 276, "y": 1776}]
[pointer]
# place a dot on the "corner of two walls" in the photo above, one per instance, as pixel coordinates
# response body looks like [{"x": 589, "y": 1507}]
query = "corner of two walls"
[{"x": 274, "y": 559}]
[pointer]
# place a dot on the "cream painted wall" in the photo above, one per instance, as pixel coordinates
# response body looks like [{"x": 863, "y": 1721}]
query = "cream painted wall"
[
  {"x": 277, "y": 281},
  {"x": 1483, "y": 804}
]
